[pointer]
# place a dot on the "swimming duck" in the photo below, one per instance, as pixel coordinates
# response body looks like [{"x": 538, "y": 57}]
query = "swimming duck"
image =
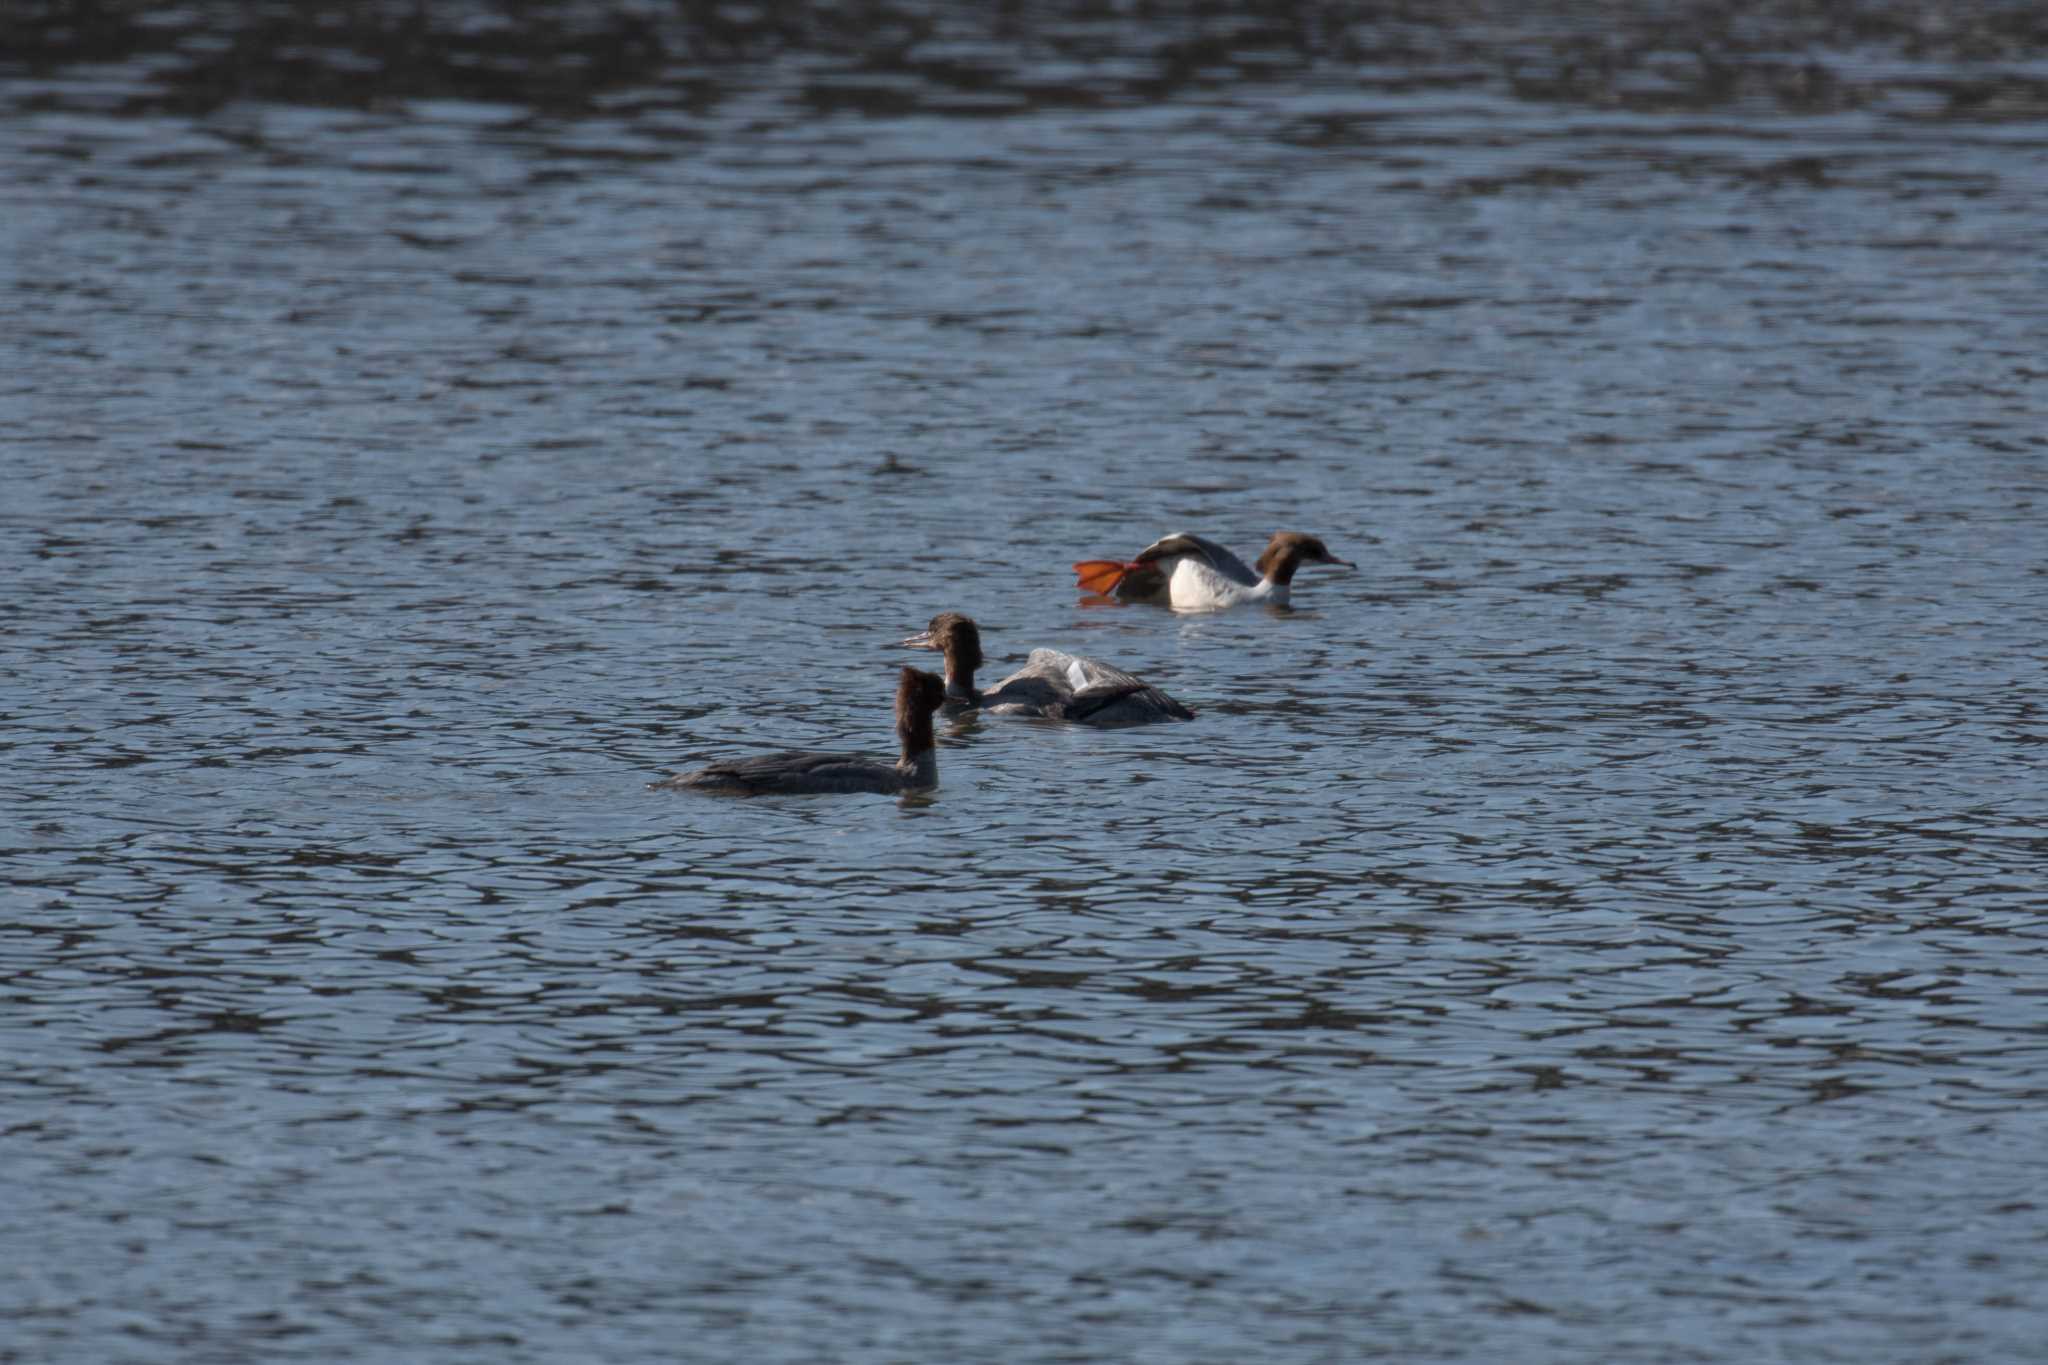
[
  {"x": 1051, "y": 684},
  {"x": 1188, "y": 573},
  {"x": 918, "y": 695}
]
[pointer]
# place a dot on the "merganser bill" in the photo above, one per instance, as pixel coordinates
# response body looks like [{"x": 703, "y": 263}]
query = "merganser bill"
[
  {"x": 1051, "y": 685},
  {"x": 1188, "y": 573},
  {"x": 918, "y": 695}
]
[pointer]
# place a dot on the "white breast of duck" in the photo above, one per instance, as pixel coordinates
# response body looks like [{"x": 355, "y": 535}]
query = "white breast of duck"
[{"x": 1195, "y": 584}]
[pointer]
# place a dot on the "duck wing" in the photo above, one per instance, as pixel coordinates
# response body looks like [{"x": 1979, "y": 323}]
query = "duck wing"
[
  {"x": 1035, "y": 689},
  {"x": 1061, "y": 686},
  {"x": 798, "y": 773},
  {"x": 1203, "y": 550}
]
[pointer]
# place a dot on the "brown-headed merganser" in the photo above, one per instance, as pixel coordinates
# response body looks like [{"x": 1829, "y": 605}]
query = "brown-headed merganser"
[
  {"x": 1188, "y": 573},
  {"x": 918, "y": 695},
  {"x": 1051, "y": 685}
]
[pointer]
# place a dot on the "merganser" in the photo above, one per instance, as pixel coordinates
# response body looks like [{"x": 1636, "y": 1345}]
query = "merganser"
[
  {"x": 1051, "y": 685},
  {"x": 918, "y": 695},
  {"x": 1188, "y": 573}
]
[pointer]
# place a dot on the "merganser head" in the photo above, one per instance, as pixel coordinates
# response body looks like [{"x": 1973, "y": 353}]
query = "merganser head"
[
  {"x": 1288, "y": 551},
  {"x": 959, "y": 639},
  {"x": 918, "y": 694}
]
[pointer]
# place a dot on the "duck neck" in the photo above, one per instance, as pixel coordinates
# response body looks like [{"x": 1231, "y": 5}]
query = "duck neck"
[
  {"x": 960, "y": 679},
  {"x": 1279, "y": 569},
  {"x": 920, "y": 769},
  {"x": 920, "y": 762},
  {"x": 915, "y": 733}
]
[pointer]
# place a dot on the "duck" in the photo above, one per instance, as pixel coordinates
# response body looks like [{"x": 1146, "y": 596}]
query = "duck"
[
  {"x": 919, "y": 695},
  {"x": 1051, "y": 685},
  {"x": 1189, "y": 573}
]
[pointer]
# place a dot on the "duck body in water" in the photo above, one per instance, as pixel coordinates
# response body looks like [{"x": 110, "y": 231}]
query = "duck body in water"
[
  {"x": 918, "y": 696},
  {"x": 1051, "y": 685},
  {"x": 1188, "y": 573}
]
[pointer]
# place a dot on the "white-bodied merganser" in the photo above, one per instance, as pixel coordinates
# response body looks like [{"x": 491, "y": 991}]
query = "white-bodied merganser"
[
  {"x": 1051, "y": 685},
  {"x": 1188, "y": 573},
  {"x": 918, "y": 695}
]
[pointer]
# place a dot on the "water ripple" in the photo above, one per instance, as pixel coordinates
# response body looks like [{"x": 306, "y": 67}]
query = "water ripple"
[{"x": 1604, "y": 924}]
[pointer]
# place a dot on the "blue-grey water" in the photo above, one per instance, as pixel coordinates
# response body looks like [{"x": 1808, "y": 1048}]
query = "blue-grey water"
[{"x": 1610, "y": 925}]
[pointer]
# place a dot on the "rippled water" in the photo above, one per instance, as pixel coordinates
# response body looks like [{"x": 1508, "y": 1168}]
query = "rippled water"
[{"x": 1607, "y": 926}]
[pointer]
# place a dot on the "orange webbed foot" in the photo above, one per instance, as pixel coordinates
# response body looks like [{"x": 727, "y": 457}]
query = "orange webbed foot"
[{"x": 1101, "y": 575}]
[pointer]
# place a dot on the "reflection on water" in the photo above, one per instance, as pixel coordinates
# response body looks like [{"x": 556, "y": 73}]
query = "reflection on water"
[
  {"x": 1977, "y": 61},
  {"x": 1602, "y": 926}
]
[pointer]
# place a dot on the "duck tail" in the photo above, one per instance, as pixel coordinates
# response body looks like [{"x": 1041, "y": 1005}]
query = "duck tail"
[{"x": 1101, "y": 575}]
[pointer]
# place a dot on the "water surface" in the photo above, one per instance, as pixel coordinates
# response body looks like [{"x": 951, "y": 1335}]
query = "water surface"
[{"x": 1607, "y": 925}]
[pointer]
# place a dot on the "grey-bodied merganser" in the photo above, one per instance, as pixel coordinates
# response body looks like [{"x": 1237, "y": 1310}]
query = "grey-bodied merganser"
[
  {"x": 918, "y": 695},
  {"x": 1051, "y": 684},
  {"x": 1188, "y": 573}
]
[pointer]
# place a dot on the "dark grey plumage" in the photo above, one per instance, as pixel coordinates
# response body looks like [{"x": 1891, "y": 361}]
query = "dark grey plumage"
[{"x": 798, "y": 773}]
